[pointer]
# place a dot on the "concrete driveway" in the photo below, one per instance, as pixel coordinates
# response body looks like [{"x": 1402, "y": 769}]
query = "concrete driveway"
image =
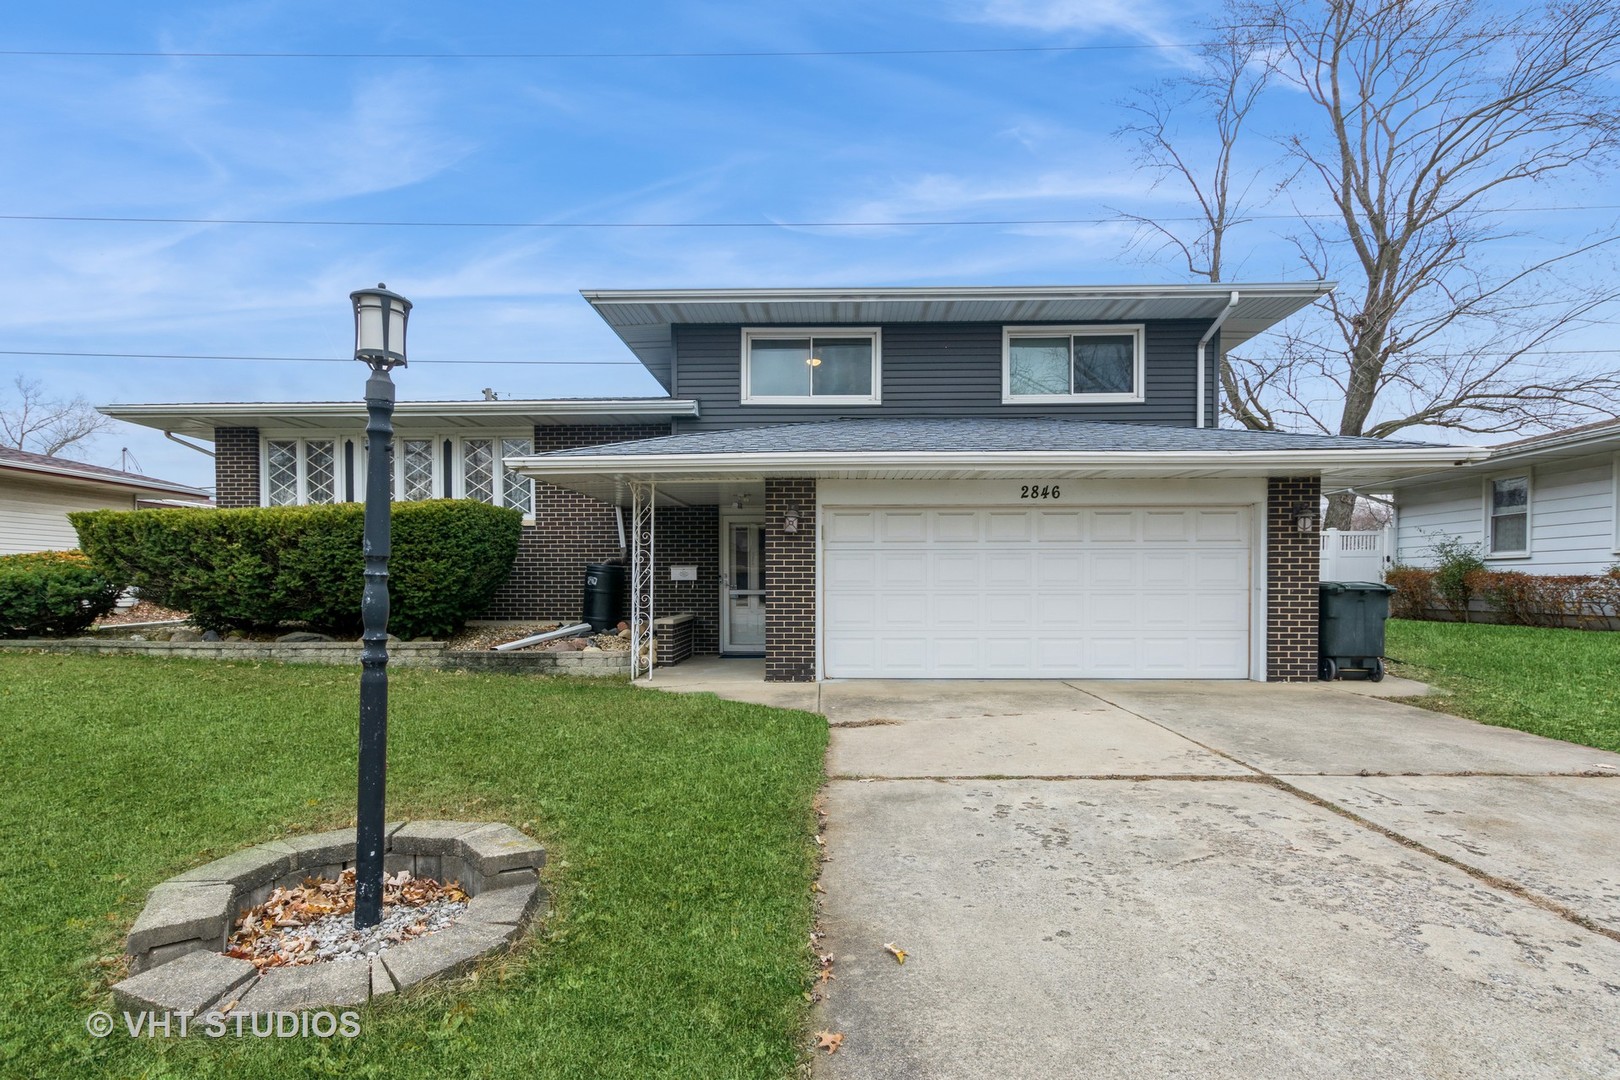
[{"x": 1211, "y": 880}]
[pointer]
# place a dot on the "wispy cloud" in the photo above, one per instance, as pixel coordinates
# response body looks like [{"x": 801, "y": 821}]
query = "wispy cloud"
[{"x": 1089, "y": 18}]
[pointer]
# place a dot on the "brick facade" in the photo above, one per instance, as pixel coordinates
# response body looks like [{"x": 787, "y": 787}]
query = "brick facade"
[
  {"x": 1293, "y": 561},
  {"x": 790, "y": 581},
  {"x": 236, "y": 467}
]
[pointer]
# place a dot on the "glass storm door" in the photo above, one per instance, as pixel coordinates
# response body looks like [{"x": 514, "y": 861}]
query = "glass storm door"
[{"x": 745, "y": 587}]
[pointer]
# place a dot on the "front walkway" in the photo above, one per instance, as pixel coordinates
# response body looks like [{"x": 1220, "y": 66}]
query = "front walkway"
[{"x": 1213, "y": 880}]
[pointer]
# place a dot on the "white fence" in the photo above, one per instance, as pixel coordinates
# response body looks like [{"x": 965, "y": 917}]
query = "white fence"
[{"x": 1355, "y": 556}]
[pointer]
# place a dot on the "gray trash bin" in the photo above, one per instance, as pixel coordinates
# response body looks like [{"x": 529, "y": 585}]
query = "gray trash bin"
[{"x": 1351, "y": 628}]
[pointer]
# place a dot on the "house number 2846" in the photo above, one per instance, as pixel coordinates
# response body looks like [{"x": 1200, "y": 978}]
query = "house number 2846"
[{"x": 1039, "y": 491}]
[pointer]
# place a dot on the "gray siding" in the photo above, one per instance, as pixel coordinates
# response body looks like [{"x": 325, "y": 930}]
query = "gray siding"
[
  {"x": 935, "y": 369},
  {"x": 1572, "y": 517}
]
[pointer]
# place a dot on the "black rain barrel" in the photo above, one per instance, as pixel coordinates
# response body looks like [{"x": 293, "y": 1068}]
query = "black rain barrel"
[{"x": 604, "y": 595}]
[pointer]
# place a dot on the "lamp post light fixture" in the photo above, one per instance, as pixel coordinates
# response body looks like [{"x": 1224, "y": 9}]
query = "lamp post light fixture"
[{"x": 379, "y": 342}]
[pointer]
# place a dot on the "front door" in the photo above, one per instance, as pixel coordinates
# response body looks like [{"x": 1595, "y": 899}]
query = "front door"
[{"x": 742, "y": 604}]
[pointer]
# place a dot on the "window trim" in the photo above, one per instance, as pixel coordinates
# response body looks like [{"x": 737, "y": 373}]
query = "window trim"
[
  {"x": 1615, "y": 504},
  {"x": 875, "y": 333},
  {"x": 444, "y": 487},
  {"x": 301, "y": 464},
  {"x": 1488, "y": 498},
  {"x": 1136, "y": 331}
]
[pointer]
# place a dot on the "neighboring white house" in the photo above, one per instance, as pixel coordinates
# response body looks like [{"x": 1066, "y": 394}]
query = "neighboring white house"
[
  {"x": 1545, "y": 505},
  {"x": 37, "y": 492}
]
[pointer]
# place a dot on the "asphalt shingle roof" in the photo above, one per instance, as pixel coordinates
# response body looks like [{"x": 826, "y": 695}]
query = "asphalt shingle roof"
[
  {"x": 987, "y": 434},
  {"x": 69, "y": 467}
]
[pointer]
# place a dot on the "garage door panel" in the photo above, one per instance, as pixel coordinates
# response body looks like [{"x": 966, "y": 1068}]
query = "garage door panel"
[
  {"x": 1058, "y": 526},
  {"x": 901, "y": 526},
  {"x": 1112, "y": 526},
  {"x": 1007, "y": 525},
  {"x": 952, "y": 526},
  {"x": 1009, "y": 610},
  {"x": 1114, "y": 568},
  {"x": 955, "y": 570},
  {"x": 1043, "y": 592},
  {"x": 848, "y": 526},
  {"x": 1060, "y": 569},
  {"x": 1161, "y": 526}
]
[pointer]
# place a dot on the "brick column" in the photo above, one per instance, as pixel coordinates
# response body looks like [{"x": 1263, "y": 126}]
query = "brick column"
[
  {"x": 790, "y": 582},
  {"x": 1293, "y": 561},
  {"x": 236, "y": 467}
]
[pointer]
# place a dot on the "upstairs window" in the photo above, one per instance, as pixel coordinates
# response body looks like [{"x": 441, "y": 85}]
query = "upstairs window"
[
  {"x": 818, "y": 367},
  {"x": 1508, "y": 521},
  {"x": 1072, "y": 363}
]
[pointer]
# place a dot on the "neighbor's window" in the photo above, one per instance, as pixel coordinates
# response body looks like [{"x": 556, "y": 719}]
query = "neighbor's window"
[
  {"x": 299, "y": 471},
  {"x": 1510, "y": 515},
  {"x": 828, "y": 367},
  {"x": 1102, "y": 363}
]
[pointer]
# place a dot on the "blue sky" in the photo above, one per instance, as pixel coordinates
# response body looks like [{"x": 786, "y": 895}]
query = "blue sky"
[{"x": 766, "y": 139}]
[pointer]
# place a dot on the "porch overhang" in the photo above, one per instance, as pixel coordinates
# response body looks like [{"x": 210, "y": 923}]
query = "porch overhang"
[{"x": 699, "y": 479}]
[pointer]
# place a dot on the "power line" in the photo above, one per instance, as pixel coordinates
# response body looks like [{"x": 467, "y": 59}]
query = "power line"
[
  {"x": 312, "y": 359},
  {"x": 736, "y": 54},
  {"x": 925, "y": 223}
]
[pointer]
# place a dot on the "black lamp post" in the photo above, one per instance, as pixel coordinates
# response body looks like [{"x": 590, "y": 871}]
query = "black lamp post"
[{"x": 379, "y": 341}]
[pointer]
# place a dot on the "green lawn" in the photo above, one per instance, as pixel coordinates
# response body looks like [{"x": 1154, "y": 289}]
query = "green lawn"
[
  {"x": 1558, "y": 683},
  {"x": 680, "y": 827}
]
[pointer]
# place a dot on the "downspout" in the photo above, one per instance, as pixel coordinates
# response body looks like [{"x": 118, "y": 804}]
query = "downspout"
[
  {"x": 172, "y": 437},
  {"x": 1203, "y": 344}
]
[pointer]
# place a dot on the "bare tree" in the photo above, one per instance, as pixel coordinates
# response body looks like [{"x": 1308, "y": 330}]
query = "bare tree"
[
  {"x": 31, "y": 421},
  {"x": 1426, "y": 120}
]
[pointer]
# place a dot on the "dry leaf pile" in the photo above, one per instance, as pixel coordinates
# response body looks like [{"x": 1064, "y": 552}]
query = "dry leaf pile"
[{"x": 313, "y": 922}]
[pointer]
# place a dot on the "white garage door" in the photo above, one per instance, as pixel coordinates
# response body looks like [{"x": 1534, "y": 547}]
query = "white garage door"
[{"x": 1152, "y": 592}]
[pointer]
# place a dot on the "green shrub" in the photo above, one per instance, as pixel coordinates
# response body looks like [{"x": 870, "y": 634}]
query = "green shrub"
[
  {"x": 238, "y": 569},
  {"x": 1455, "y": 563},
  {"x": 53, "y": 592}
]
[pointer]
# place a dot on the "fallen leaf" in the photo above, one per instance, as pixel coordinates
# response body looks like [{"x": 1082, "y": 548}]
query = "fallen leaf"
[
  {"x": 896, "y": 951},
  {"x": 829, "y": 1041},
  {"x": 825, "y": 974},
  {"x": 815, "y": 886}
]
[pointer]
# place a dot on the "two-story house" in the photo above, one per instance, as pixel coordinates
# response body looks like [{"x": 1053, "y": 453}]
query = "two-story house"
[{"x": 1001, "y": 482}]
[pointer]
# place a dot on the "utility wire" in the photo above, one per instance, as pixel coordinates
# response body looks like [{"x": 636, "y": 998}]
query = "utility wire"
[
  {"x": 926, "y": 223},
  {"x": 312, "y": 359},
  {"x": 637, "y": 363}
]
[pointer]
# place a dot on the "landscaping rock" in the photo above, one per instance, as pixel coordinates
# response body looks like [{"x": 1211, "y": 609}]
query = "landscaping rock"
[
  {"x": 498, "y": 847},
  {"x": 501, "y": 907},
  {"x": 308, "y": 986},
  {"x": 246, "y": 869},
  {"x": 234, "y": 635},
  {"x": 449, "y": 952},
  {"x": 431, "y": 837},
  {"x": 193, "y": 983},
  {"x": 188, "y": 635},
  {"x": 181, "y": 911},
  {"x": 304, "y": 635}
]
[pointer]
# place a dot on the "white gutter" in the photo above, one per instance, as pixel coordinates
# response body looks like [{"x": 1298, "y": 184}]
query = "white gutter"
[
  {"x": 346, "y": 409},
  {"x": 788, "y": 463},
  {"x": 986, "y": 292},
  {"x": 1203, "y": 343}
]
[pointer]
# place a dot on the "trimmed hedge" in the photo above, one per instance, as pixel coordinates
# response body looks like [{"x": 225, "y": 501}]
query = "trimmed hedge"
[
  {"x": 258, "y": 567},
  {"x": 53, "y": 593},
  {"x": 1511, "y": 596}
]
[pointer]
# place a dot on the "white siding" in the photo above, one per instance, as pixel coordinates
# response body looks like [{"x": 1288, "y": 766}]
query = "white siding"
[
  {"x": 33, "y": 514},
  {"x": 1572, "y": 517}
]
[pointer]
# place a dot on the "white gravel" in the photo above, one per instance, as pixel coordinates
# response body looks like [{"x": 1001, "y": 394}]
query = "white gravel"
[{"x": 334, "y": 938}]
